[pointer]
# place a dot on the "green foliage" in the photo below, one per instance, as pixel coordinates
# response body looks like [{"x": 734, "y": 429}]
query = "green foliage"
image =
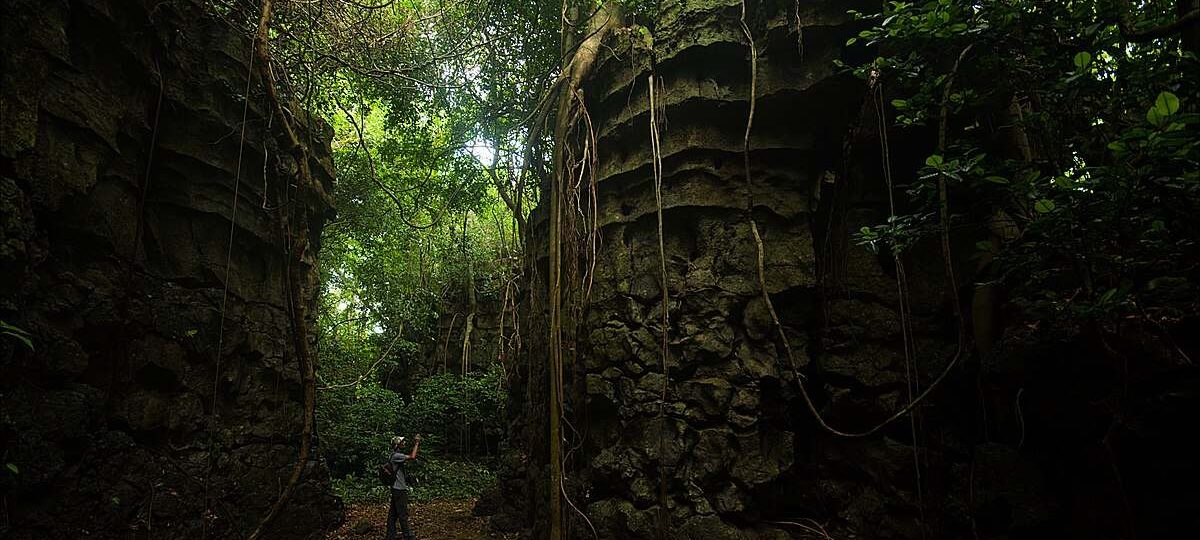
[
  {"x": 462, "y": 415},
  {"x": 355, "y": 489},
  {"x": 1165, "y": 105},
  {"x": 643, "y": 12},
  {"x": 449, "y": 479},
  {"x": 17, "y": 334},
  {"x": 899, "y": 234},
  {"x": 428, "y": 102},
  {"x": 1073, "y": 145},
  {"x": 435, "y": 479},
  {"x": 356, "y": 425},
  {"x": 430, "y": 105},
  {"x": 459, "y": 417}
]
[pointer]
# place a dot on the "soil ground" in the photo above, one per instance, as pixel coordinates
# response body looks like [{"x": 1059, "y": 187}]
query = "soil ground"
[{"x": 436, "y": 520}]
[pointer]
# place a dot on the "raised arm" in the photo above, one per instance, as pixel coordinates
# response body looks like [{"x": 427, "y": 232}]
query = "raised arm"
[{"x": 416, "y": 446}]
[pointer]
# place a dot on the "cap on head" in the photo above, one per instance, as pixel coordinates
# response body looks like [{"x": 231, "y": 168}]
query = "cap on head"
[{"x": 398, "y": 441}]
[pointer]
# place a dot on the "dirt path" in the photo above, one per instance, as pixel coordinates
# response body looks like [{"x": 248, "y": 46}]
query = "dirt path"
[{"x": 438, "y": 520}]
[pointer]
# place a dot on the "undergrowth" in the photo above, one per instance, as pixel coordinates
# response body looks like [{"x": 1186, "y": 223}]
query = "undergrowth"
[{"x": 435, "y": 479}]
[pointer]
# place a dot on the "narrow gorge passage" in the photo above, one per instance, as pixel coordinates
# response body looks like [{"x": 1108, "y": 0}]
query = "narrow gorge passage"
[{"x": 620, "y": 269}]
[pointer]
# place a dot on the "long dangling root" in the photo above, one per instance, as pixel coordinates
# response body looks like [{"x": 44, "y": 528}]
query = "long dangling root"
[
  {"x": 566, "y": 91},
  {"x": 912, "y": 380},
  {"x": 656, "y": 166}
]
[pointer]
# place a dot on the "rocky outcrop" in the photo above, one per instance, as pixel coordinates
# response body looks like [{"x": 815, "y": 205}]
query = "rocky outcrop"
[
  {"x": 731, "y": 438},
  {"x": 732, "y": 451},
  {"x": 444, "y": 352},
  {"x": 141, "y": 247}
]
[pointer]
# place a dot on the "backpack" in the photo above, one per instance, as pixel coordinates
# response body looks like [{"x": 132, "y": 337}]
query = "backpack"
[{"x": 386, "y": 474}]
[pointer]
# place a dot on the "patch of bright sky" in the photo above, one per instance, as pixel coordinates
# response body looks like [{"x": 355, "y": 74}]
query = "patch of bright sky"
[{"x": 482, "y": 150}]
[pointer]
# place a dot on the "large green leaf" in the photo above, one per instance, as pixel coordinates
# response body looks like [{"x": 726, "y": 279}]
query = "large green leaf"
[
  {"x": 1082, "y": 60},
  {"x": 1166, "y": 103}
]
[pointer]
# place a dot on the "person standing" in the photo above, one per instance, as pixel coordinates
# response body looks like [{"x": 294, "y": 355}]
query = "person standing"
[{"x": 399, "y": 507}]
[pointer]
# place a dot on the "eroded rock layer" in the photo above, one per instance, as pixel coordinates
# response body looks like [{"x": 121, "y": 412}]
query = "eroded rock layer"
[
  {"x": 732, "y": 451},
  {"x": 128, "y": 153},
  {"x": 730, "y": 441}
]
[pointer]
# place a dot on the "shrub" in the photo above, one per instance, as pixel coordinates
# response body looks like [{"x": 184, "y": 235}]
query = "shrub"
[
  {"x": 446, "y": 479},
  {"x": 459, "y": 417},
  {"x": 353, "y": 489},
  {"x": 356, "y": 425}
]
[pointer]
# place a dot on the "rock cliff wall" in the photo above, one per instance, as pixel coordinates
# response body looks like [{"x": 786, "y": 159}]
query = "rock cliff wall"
[
  {"x": 733, "y": 452},
  {"x": 153, "y": 403},
  {"x": 445, "y": 352}
]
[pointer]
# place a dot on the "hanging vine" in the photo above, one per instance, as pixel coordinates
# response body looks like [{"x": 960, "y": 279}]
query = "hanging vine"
[
  {"x": 310, "y": 193},
  {"x": 665, "y": 321},
  {"x": 565, "y": 189}
]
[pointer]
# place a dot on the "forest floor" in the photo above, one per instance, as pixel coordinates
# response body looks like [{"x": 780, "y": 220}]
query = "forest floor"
[{"x": 435, "y": 520}]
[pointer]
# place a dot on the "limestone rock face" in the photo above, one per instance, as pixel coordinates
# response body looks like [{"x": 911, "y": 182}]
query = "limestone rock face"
[
  {"x": 121, "y": 150},
  {"x": 723, "y": 455},
  {"x": 714, "y": 440},
  {"x": 733, "y": 451},
  {"x": 492, "y": 337}
]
